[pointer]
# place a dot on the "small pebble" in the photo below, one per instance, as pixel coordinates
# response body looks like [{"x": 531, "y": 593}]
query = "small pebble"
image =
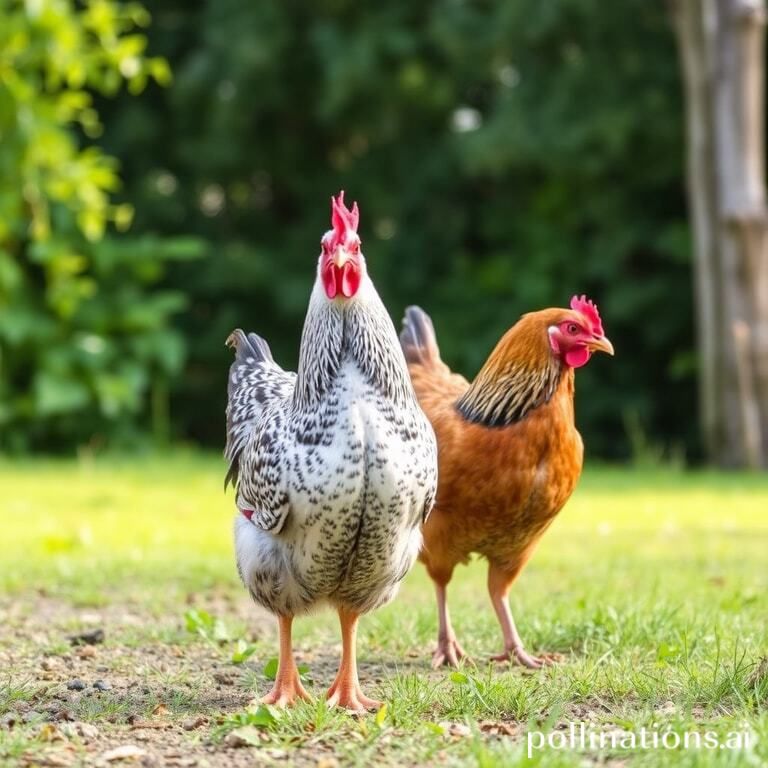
[
  {"x": 124, "y": 752},
  {"x": 75, "y": 685},
  {"x": 245, "y": 736},
  {"x": 85, "y": 731},
  {"x": 102, "y": 685},
  {"x": 194, "y": 722}
]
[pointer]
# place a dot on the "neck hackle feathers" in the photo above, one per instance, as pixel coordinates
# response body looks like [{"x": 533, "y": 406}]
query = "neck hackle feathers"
[{"x": 519, "y": 375}]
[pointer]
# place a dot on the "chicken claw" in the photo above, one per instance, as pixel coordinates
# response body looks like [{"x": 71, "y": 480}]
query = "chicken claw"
[
  {"x": 285, "y": 692},
  {"x": 526, "y": 659},
  {"x": 498, "y": 586},
  {"x": 287, "y": 687},
  {"x": 348, "y": 695},
  {"x": 448, "y": 653},
  {"x": 345, "y": 691}
]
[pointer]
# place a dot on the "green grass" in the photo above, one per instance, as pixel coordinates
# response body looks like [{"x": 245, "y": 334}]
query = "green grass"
[{"x": 652, "y": 584}]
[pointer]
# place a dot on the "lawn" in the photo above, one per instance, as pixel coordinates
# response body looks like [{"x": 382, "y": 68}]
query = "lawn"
[{"x": 651, "y": 584}]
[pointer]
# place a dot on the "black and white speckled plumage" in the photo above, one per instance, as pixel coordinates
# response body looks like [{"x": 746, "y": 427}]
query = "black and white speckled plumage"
[{"x": 337, "y": 463}]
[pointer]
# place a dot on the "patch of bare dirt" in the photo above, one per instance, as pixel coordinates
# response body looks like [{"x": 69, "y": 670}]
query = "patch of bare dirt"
[{"x": 119, "y": 686}]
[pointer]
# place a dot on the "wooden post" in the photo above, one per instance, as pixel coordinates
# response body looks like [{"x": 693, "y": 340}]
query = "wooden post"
[{"x": 721, "y": 46}]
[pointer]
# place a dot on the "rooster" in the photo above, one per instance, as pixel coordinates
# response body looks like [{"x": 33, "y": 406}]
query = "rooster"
[
  {"x": 509, "y": 452},
  {"x": 335, "y": 466}
]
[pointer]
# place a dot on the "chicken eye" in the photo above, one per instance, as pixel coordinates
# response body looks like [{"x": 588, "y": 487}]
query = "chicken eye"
[
  {"x": 573, "y": 328},
  {"x": 354, "y": 247}
]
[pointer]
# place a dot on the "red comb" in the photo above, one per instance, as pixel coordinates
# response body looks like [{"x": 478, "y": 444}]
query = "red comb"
[
  {"x": 589, "y": 310},
  {"x": 342, "y": 219}
]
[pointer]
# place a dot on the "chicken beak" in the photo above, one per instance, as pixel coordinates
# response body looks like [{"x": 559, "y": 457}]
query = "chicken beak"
[
  {"x": 340, "y": 257},
  {"x": 601, "y": 344}
]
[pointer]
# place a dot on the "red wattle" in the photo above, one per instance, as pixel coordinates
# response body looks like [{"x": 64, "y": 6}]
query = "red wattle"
[
  {"x": 350, "y": 280},
  {"x": 329, "y": 281},
  {"x": 577, "y": 356},
  {"x": 344, "y": 280}
]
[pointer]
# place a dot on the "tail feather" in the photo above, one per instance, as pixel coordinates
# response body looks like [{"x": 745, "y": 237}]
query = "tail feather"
[
  {"x": 249, "y": 348},
  {"x": 418, "y": 338}
]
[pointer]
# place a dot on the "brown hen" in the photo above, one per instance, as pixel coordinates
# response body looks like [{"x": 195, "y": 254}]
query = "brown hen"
[{"x": 509, "y": 454}]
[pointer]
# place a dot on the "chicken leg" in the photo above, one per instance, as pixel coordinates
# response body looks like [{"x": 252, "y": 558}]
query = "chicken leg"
[
  {"x": 499, "y": 583},
  {"x": 287, "y": 687},
  {"x": 448, "y": 651},
  {"x": 345, "y": 691}
]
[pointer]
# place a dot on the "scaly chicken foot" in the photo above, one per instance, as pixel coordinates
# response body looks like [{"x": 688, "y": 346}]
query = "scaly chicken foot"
[
  {"x": 286, "y": 691},
  {"x": 448, "y": 652},
  {"x": 348, "y": 695},
  {"x": 526, "y": 659},
  {"x": 345, "y": 692},
  {"x": 499, "y": 582},
  {"x": 287, "y": 687}
]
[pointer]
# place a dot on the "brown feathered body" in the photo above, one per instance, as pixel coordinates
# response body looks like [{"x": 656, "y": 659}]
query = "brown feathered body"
[{"x": 509, "y": 454}]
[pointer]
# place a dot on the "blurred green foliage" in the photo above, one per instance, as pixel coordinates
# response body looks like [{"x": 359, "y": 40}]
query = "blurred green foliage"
[
  {"x": 506, "y": 154},
  {"x": 83, "y": 337}
]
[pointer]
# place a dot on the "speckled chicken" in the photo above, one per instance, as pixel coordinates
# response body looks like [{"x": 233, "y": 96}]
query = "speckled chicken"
[
  {"x": 509, "y": 452},
  {"x": 335, "y": 466}
]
